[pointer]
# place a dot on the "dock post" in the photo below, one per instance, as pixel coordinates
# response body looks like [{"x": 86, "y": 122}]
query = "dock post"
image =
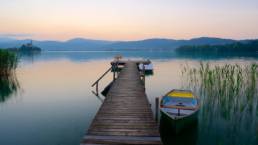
[
  {"x": 157, "y": 109},
  {"x": 114, "y": 72},
  {"x": 97, "y": 88},
  {"x": 114, "y": 76},
  {"x": 143, "y": 75}
]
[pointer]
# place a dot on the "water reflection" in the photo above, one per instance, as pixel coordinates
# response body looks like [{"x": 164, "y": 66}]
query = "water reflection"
[
  {"x": 229, "y": 96},
  {"x": 188, "y": 136},
  {"x": 98, "y": 96},
  {"x": 9, "y": 85},
  {"x": 57, "y": 105},
  {"x": 29, "y": 56},
  {"x": 153, "y": 55}
]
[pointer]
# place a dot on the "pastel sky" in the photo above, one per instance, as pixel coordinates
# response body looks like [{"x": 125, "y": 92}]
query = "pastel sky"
[{"x": 128, "y": 19}]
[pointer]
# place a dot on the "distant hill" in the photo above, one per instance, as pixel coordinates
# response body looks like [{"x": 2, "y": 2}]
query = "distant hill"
[
  {"x": 148, "y": 44},
  {"x": 165, "y": 44},
  {"x": 4, "y": 39},
  {"x": 70, "y": 45},
  {"x": 239, "y": 47},
  {"x": 73, "y": 44},
  {"x": 95, "y": 45}
]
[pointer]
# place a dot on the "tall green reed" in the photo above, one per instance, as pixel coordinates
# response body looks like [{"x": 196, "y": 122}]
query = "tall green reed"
[
  {"x": 231, "y": 88},
  {"x": 229, "y": 98},
  {"x": 8, "y": 62},
  {"x": 8, "y": 81}
]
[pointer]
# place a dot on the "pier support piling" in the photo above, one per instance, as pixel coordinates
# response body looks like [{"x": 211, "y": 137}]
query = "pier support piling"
[{"x": 157, "y": 109}]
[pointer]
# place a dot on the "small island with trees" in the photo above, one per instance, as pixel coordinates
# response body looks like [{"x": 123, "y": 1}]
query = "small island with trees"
[{"x": 28, "y": 47}]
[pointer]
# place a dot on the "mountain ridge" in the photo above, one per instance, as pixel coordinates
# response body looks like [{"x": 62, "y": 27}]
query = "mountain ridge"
[{"x": 91, "y": 44}]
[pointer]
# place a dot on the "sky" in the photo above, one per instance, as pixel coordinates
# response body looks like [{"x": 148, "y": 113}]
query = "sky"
[{"x": 128, "y": 19}]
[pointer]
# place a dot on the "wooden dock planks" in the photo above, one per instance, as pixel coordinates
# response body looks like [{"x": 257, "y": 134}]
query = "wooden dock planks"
[{"x": 125, "y": 116}]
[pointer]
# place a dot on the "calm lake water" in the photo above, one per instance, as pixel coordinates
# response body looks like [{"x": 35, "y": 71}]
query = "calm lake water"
[{"x": 51, "y": 101}]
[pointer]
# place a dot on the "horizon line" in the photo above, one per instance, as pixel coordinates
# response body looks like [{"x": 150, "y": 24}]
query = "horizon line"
[{"x": 142, "y": 39}]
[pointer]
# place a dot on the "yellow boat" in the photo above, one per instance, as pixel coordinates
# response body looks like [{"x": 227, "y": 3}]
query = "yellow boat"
[{"x": 180, "y": 108}]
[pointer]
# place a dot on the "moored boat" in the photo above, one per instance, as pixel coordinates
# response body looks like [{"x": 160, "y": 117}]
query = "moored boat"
[
  {"x": 148, "y": 68},
  {"x": 180, "y": 108}
]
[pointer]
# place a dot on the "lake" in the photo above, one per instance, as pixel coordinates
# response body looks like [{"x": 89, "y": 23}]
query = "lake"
[{"x": 50, "y": 101}]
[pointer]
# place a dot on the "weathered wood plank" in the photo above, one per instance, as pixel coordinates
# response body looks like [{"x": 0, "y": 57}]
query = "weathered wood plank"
[{"x": 117, "y": 140}]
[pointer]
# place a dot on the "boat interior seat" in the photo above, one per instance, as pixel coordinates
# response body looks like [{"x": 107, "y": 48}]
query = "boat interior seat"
[
  {"x": 176, "y": 101},
  {"x": 175, "y": 111}
]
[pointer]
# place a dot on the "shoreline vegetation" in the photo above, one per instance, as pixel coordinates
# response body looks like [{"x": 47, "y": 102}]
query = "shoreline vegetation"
[
  {"x": 8, "y": 62},
  {"x": 250, "y": 46},
  {"x": 229, "y": 95},
  {"x": 230, "y": 88},
  {"x": 8, "y": 80}
]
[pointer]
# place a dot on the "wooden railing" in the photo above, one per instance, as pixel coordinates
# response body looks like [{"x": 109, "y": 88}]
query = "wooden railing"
[
  {"x": 96, "y": 83},
  {"x": 113, "y": 68}
]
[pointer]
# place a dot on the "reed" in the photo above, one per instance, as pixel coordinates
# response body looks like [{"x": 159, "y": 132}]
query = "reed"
[
  {"x": 8, "y": 62},
  {"x": 229, "y": 99},
  {"x": 228, "y": 89}
]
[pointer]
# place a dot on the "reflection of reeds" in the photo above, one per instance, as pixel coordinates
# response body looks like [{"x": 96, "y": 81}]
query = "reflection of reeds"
[
  {"x": 228, "y": 92},
  {"x": 8, "y": 86},
  {"x": 8, "y": 62}
]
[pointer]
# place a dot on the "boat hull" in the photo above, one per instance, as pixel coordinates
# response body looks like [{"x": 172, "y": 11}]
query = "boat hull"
[{"x": 179, "y": 124}]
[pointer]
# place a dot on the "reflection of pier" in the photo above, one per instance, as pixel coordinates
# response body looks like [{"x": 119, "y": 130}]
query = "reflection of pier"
[{"x": 125, "y": 116}]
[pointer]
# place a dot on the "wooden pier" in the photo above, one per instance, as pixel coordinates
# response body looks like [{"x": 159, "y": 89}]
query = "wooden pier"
[{"x": 125, "y": 116}]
